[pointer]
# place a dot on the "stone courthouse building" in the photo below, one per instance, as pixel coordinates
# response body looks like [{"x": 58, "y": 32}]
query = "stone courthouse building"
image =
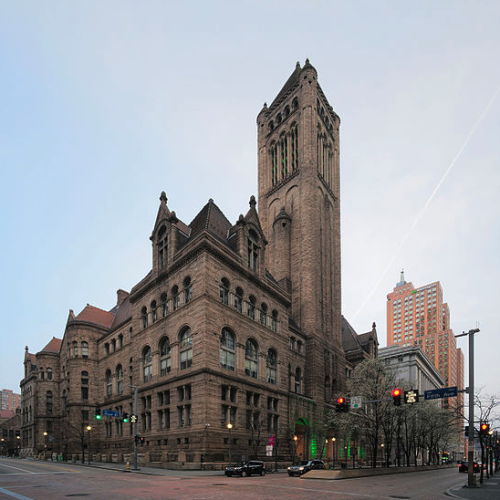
[{"x": 236, "y": 323}]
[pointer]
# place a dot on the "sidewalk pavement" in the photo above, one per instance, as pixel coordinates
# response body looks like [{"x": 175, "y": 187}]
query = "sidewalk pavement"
[{"x": 488, "y": 490}]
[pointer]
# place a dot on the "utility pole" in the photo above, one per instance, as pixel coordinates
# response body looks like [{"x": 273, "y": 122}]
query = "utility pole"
[{"x": 470, "y": 454}]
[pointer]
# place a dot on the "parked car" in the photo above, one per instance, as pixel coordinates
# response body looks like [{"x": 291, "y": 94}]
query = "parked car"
[
  {"x": 251, "y": 467},
  {"x": 464, "y": 467},
  {"x": 305, "y": 466}
]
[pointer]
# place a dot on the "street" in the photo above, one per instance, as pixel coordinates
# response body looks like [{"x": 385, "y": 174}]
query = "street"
[{"x": 33, "y": 480}]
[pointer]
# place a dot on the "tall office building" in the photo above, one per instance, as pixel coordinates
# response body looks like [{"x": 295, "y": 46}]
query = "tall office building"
[
  {"x": 420, "y": 317},
  {"x": 9, "y": 400}
]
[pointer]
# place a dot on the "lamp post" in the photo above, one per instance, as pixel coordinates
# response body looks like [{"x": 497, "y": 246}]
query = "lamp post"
[
  {"x": 334, "y": 452},
  {"x": 89, "y": 428},
  {"x": 45, "y": 435},
  {"x": 136, "y": 437},
  {"x": 229, "y": 427}
]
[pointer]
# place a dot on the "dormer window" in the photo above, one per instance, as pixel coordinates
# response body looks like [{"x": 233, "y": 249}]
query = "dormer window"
[
  {"x": 162, "y": 247},
  {"x": 253, "y": 250}
]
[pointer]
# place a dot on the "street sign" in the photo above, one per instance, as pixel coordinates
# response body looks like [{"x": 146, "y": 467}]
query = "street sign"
[
  {"x": 269, "y": 451},
  {"x": 356, "y": 402},
  {"x": 411, "y": 397},
  {"x": 445, "y": 392},
  {"x": 110, "y": 413}
]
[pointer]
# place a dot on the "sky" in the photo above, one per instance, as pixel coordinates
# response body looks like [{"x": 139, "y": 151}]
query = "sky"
[{"x": 103, "y": 105}]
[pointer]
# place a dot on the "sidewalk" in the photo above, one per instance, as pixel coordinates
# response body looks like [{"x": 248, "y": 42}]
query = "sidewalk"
[{"x": 489, "y": 490}]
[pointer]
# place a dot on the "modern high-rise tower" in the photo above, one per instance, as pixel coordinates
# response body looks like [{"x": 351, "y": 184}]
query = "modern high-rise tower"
[{"x": 419, "y": 316}]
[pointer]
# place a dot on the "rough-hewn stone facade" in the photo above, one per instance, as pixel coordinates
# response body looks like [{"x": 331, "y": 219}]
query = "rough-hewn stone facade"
[{"x": 235, "y": 323}]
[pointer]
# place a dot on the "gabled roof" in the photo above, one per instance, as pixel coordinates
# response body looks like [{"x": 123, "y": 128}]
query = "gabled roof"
[
  {"x": 211, "y": 219},
  {"x": 53, "y": 346},
  {"x": 350, "y": 340},
  {"x": 91, "y": 314}
]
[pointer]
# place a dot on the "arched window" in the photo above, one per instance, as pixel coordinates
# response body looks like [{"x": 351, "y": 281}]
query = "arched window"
[
  {"x": 251, "y": 360},
  {"x": 147, "y": 364},
  {"x": 42, "y": 374},
  {"x": 109, "y": 383},
  {"x": 298, "y": 381},
  {"x": 294, "y": 137},
  {"x": 154, "y": 314},
  {"x": 224, "y": 291},
  {"x": 144, "y": 317},
  {"x": 274, "y": 320},
  {"x": 48, "y": 402},
  {"x": 162, "y": 247},
  {"x": 188, "y": 290},
  {"x": 186, "y": 349},
  {"x": 119, "y": 380},
  {"x": 227, "y": 350},
  {"x": 238, "y": 299},
  {"x": 49, "y": 373},
  {"x": 273, "y": 153},
  {"x": 263, "y": 314},
  {"x": 85, "y": 385},
  {"x": 176, "y": 299},
  {"x": 85, "y": 350},
  {"x": 251, "y": 307},
  {"x": 64, "y": 402},
  {"x": 284, "y": 155},
  {"x": 253, "y": 250},
  {"x": 75, "y": 349},
  {"x": 271, "y": 365},
  {"x": 165, "y": 356},
  {"x": 164, "y": 304}
]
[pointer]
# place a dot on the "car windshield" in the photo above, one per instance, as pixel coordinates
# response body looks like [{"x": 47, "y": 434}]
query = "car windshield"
[{"x": 304, "y": 462}]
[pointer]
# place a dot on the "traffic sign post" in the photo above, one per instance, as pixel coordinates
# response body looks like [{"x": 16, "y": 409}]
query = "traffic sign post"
[
  {"x": 411, "y": 397},
  {"x": 356, "y": 402},
  {"x": 445, "y": 392}
]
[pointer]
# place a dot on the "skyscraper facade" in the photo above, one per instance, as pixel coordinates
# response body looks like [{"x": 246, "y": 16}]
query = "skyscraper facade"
[{"x": 420, "y": 317}]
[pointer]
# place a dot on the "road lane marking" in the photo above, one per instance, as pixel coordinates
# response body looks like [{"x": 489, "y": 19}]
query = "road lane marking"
[
  {"x": 15, "y": 495},
  {"x": 17, "y": 468}
]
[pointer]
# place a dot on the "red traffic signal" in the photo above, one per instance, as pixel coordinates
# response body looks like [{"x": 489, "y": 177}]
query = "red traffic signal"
[
  {"x": 396, "y": 397},
  {"x": 341, "y": 406},
  {"x": 484, "y": 429}
]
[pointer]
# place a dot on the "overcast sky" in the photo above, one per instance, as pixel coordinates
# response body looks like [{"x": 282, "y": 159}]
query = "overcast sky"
[{"x": 104, "y": 104}]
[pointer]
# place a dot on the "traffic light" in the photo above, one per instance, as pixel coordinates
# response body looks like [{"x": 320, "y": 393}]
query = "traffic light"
[
  {"x": 133, "y": 418},
  {"x": 143, "y": 440},
  {"x": 125, "y": 417},
  {"x": 466, "y": 431},
  {"x": 484, "y": 429},
  {"x": 396, "y": 397},
  {"x": 98, "y": 415},
  {"x": 341, "y": 405}
]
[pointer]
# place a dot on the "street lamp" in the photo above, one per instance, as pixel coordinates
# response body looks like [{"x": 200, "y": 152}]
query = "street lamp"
[
  {"x": 89, "y": 428},
  {"x": 229, "y": 427},
  {"x": 334, "y": 452},
  {"x": 45, "y": 434}
]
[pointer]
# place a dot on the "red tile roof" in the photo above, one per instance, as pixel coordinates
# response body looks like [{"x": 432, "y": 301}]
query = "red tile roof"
[
  {"x": 53, "y": 346},
  {"x": 97, "y": 316}
]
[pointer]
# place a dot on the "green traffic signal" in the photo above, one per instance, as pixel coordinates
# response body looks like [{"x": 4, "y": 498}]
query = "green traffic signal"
[{"x": 98, "y": 415}]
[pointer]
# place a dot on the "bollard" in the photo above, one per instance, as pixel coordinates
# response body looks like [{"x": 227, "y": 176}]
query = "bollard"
[{"x": 128, "y": 466}]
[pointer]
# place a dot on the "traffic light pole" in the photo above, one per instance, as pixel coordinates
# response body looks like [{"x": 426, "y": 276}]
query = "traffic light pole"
[{"x": 470, "y": 454}]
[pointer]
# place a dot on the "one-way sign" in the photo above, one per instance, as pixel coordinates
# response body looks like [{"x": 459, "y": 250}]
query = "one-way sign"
[{"x": 445, "y": 392}]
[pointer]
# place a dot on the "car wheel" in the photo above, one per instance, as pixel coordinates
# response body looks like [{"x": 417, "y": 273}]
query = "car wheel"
[
  {"x": 244, "y": 473},
  {"x": 262, "y": 472}
]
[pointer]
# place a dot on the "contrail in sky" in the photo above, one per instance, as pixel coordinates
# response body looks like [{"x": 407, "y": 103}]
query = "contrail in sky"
[{"x": 428, "y": 202}]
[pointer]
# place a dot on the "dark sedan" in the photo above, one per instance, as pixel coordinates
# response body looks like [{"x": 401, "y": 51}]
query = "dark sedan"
[
  {"x": 248, "y": 469},
  {"x": 464, "y": 467},
  {"x": 305, "y": 466}
]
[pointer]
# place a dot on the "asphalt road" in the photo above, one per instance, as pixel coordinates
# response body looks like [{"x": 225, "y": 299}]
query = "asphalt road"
[{"x": 32, "y": 480}]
